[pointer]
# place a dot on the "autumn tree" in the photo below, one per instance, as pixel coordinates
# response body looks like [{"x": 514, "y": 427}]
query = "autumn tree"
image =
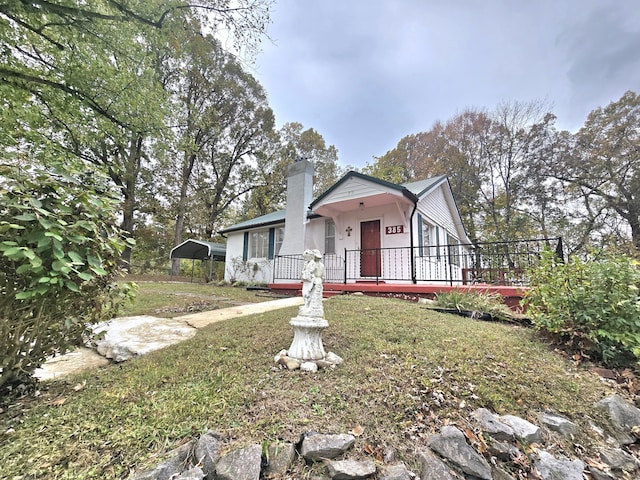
[
  {"x": 604, "y": 162},
  {"x": 290, "y": 143},
  {"x": 222, "y": 124}
]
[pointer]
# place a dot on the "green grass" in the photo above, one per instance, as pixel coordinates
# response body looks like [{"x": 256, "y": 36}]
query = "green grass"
[
  {"x": 407, "y": 372},
  {"x": 171, "y": 299}
]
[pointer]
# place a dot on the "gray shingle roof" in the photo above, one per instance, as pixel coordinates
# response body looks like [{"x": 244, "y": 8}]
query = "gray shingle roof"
[{"x": 268, "y": 219}]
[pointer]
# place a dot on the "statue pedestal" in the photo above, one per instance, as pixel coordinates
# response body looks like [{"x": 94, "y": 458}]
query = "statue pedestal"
[{"x": 307, "y": 338}]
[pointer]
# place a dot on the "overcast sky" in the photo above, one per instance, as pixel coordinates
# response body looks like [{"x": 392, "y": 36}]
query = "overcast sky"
[{"x": 365, "y": 73}]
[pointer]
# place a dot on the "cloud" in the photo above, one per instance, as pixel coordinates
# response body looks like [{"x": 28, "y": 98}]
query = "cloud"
[{"x": 365, "y": 74}]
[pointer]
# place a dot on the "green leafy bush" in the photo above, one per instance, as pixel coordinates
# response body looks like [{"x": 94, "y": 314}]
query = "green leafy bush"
[
  {"x": 59, "y": 257},
  {"x": 592, "y": 305}
]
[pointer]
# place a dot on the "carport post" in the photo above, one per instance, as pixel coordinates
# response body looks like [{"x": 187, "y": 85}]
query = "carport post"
[{"x": 193, "y": 264}]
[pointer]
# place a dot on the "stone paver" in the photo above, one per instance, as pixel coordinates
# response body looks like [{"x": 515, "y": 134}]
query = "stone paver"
[
  {"x": 202, "y": 319},
  {"x": 86, "y": 358}
]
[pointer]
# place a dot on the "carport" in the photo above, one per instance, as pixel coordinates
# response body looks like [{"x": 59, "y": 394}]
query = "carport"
[{"x": 199, "y": 250}]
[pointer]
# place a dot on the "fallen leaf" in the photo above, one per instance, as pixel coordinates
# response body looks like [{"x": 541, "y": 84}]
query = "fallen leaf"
[
  {"x": 59, "y": 401},
  {"x": 80, "y": 386},
  {"x": 357, "y": 430}
]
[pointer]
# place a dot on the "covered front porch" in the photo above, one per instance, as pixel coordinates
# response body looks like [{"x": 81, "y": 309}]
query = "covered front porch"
[{"x": 424, "y": 271}]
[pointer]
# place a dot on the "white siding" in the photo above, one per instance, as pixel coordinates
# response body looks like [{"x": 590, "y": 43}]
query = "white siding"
[{"x": 356, "y": 188}]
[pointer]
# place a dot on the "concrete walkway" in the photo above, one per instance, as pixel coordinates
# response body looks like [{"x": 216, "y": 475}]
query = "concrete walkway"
[{"x": 133, "y": 336}]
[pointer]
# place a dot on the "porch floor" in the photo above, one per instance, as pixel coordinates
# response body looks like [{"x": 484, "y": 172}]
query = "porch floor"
[{"x": 511, "y": 295}]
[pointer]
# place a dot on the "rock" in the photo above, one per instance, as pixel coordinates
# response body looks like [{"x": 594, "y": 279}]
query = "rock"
[
  {"x": 281, "y": 457},
  {"x": 503, "y": 450},
  {"x": 333, "y": 358},
  {"x": 525, "y": 431},
  {"x": 129, "y": 337},
  {"x": 394, "y": 472},
  {"x": 243, "y": 464},
  {"x": 350, "y": 469},
  {"x": 433, "y": 467},
  {"x": 319, "y": 446},
  {"x": 559, "y": 424},
  {"x": 427, "y": 301},
  {"x": 598, "y": 474},
  {"x": 173, "y": 466},
  {"x": 278, "y": 357},
  {"x": 452, "y": 445},
  {"x": 552, "y": 468},
  {"x": 491, "y": 425},
  {"x": 309, "y": 367},
  {"x": 623, "y": 415},
  {"x": 207, "y": 452},
  {"x": 290, "y": 363},
  {"x": 500, "y": 474},
  {"x": 618, "y": 459},
  {"x": 194, "y": 473},
  {"x": 324, "y": 364}
]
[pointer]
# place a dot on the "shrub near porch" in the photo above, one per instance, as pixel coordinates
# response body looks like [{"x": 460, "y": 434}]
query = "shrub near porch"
[{"x": 591, "y": 305}]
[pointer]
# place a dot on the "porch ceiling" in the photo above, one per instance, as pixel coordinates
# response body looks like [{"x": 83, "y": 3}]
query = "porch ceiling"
[{"x": 329, "y": 208}]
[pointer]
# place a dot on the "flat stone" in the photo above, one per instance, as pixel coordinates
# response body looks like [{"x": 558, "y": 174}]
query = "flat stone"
[
  {"x": 398, "y": 471},
  {"x": 500, "y": 474},
  {"x": 309, "y": 367},
  {"x": 432, "y": 467},
  {"x": 207, "y": 452},
  {"x": 526, "y": 431},
  {"x": 559, "y": 424},
  {"x": 350, "y": 469},
  {"x": 623, "y": 415},
  {"x": 281, "y": 457},
  {"x": 452, "y": 445},
  {"x": 171, "y": 467},
  {"x": 77, "y": 361},
  {"x": 503, "y": 450},
  {"x": 492, "y": 425},
  {"x": 561, "y": 468},
  {"x": 320, "y": 446},
  {"x": 242, "y": 464},
  {"x": 194, "y": 473},
  {"x": 333, "y": 358},
  {"x": 129, "y": 337},
  {"x": 618, "y": 459}
]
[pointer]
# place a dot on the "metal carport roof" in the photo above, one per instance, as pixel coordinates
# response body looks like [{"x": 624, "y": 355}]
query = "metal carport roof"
[{"x": 199, "y": 250}]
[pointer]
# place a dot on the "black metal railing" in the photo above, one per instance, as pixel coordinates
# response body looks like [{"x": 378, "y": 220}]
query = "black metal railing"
[{"x": 495, "y": 263}]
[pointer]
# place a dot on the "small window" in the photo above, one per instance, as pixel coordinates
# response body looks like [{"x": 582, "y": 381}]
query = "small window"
[
  {"x": 425, "y": 237},
  {"x": 454, "y": 250},
  {"x": 279, "y": 239},
  {"x": 259, "y": 244},
  {"x": 329, "y": 237}
]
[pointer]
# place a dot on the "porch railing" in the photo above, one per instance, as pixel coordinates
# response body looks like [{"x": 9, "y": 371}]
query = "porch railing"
[{"x": 495, "y": 263}]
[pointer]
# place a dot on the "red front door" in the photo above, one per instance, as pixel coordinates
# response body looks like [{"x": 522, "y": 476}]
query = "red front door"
[{"x": 370, "y": 265}]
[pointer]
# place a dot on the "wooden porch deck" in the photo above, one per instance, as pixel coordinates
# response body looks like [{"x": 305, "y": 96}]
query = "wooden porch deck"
[{"x": 511, "y": 295}]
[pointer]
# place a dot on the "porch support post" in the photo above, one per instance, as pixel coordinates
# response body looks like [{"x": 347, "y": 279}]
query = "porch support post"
[
  {"x": 345, "y": 266},
  {"x": 411, "y": 247}
]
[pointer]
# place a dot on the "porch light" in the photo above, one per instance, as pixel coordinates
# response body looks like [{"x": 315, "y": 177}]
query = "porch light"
[{"x": 361, "y": 205}]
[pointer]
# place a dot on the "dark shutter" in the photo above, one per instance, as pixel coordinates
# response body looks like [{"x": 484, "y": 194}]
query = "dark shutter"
[
  {"x": 245, "y": 248},
  {"x": 272, "y": 243}
]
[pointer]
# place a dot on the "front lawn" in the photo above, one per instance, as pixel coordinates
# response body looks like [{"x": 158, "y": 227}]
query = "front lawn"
[{"x": 407, "y": 372}]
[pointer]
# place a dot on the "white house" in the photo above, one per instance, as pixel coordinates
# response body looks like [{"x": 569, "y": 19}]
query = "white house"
[{"x": 368, "y": 230}]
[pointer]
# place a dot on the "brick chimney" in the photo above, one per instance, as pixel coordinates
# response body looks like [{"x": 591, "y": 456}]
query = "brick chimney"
[{"x": 299, "y": 197}]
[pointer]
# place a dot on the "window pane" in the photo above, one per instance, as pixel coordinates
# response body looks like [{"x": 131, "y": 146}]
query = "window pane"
[
  {"x": 279, "y": 239},
  {"x": 329, "y": 237},
  {"x": 259, "y": 244}
]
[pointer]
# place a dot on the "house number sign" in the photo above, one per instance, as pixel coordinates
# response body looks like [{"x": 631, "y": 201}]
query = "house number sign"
[{"x": 392, "y": 230}]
